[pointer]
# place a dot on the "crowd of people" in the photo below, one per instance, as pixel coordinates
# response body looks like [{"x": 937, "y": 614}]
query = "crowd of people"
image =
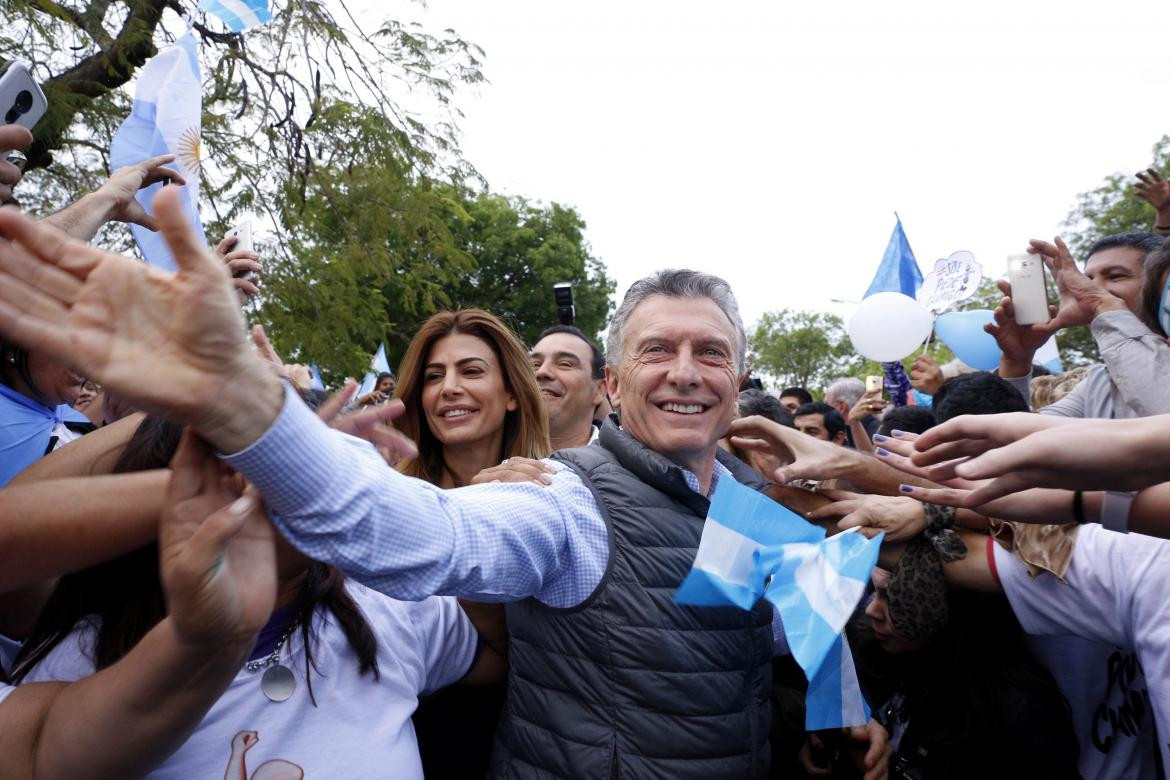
[{"x": 210, "y": 568}]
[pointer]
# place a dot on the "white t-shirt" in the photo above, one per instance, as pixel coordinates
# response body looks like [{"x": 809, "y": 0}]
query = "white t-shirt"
[
  {"x": 1105, "y": 637},
  {"x": 5, "y": 689},
  {"x": 360, "y": 727}
]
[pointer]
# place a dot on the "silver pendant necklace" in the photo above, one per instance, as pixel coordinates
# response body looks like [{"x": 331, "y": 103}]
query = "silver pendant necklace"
[{"x": 277, "y": 682}]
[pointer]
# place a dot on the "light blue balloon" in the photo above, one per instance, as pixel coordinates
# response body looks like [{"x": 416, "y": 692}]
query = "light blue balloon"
[{"x": 963, "y": 332}]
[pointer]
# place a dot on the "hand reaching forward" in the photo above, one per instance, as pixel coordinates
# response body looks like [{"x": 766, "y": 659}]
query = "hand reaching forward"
[
  {"x": 170, "y": 343},
  {"x": 1153, "y": 189},
  {"x": 371, "y": 424},
  {"x": 123, "y": 185},
  {"x": 217, "y": 551}
]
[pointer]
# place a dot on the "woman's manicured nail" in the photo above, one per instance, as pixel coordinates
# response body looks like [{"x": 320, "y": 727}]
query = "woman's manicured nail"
[
  {"x": 879, "y": 438},
  {"x": 906, "y": 488},
  {"x": 881, "y": 452},
  {"x": 897, "y": 433}
]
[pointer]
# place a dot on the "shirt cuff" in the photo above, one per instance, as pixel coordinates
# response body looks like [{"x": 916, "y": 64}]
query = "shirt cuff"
[{"x": 295, "y": 461}]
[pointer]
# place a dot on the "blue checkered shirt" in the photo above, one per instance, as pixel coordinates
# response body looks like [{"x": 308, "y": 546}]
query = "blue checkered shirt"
[{"x": 335, "y": 499}]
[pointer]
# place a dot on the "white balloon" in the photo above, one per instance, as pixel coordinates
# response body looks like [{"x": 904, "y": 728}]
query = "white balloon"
[{"x": 889, "y": 326}]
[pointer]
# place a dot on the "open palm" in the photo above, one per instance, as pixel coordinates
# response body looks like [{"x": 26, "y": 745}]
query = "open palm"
[
  {"x": 167, "y": 342},
  {"x": 217, "y": 552}
]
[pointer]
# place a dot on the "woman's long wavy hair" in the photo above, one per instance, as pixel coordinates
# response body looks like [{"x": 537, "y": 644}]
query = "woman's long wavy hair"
[
  {"x": 126, "y": 596},
  {"x": 525, "y": 428}
]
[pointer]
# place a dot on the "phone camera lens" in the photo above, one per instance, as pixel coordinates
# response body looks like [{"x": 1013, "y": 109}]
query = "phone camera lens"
[{"x": 20, "y": 106}]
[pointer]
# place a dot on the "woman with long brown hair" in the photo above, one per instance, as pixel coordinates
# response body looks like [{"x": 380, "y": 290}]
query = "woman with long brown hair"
[
  {"x": 471, "y": 402},
  {"x": 471, "y": 398}
]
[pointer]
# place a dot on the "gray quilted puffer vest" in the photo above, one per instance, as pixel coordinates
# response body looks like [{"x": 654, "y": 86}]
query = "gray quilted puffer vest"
[{"x": 628, "y": 683}]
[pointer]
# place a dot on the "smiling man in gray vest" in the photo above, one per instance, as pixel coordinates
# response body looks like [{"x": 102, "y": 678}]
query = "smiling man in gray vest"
[{"x": 609, "y": 676}]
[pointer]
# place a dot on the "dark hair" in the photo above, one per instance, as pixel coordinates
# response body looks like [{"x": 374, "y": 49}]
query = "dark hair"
[
  {"x": 381, "y": 376},
  {"x": 804, "y": 396},
  {"x": 597, "y": 361},
  {"x": 126, "y": 596},
  {"x": 753, "y": 402},
  {"x": 976, "y": 393},
  {"x": 912, "y": 419},
  {"x": 1156, "y": 264},
  {"x": 974, "y": 686},
  {"x": 19, "y": 357},
  {"x": 1140, "y": 240},
  {"x": 834, "y": 422}
]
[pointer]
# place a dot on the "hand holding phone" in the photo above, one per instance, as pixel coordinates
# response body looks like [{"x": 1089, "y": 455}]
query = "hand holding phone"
[{"x": 1029, "y": 296}]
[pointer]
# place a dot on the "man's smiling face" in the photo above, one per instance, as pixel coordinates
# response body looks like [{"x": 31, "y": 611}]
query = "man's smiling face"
[{"x": 676, "y": 384}]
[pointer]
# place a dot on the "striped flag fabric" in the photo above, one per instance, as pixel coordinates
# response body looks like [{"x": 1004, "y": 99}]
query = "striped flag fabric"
[
  {"x": 238, "y": 15},
  {"x": 753, "y": 547},
  {"x": 378, "y": 365},
  {"x": 166, "y": 119}
]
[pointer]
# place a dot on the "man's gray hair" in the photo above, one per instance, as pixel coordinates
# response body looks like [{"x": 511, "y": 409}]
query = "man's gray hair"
[
  {"x": 676, "y": 283},
  {"x": 848, "y": 389}
]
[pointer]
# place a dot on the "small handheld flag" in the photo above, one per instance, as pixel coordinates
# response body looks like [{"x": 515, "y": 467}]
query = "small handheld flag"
[
  {"x": 898, "y": 271},
  {"x": 753, "y": 547}
]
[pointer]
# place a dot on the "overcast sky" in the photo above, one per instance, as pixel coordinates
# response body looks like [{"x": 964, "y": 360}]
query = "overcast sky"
[{"x": 771, "y": 142}]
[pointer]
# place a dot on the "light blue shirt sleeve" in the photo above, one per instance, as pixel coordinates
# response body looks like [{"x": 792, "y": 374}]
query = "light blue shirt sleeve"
[{"x": 336, "y": 500}]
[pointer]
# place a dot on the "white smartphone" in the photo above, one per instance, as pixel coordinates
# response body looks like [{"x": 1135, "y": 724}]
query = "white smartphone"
[
  {"x": 873, "y": 384},
  {"x": 21, "y": 100},
  {"x": 243, "y": 235},
  {"x": 1029, "y": 296}
]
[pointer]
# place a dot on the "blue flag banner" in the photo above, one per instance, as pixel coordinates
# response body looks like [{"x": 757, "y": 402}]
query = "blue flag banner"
[
  {"x": 753, "y": 547},
  {"x": 165, "y": 119},
  {"x": 899, "y": 270},
  {"x": 378, "y": 365},
  {"x": 238, "y": 15}
]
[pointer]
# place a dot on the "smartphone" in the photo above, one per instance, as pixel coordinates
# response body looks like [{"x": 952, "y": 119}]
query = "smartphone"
[
  {"x": 243, "y": 235},
  {"x": 21, "y": 100},
  {"x": 1029, "y": 296},
  {"x": 873, "y": 384}
]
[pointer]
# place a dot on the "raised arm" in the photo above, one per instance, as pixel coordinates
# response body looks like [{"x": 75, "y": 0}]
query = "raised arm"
[
  {"x": 218, "y": 567},
  {"x": 115, "y": 200}
]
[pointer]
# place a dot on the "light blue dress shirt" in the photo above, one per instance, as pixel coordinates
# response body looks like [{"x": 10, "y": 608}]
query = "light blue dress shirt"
[{"x": 336, "y": 500}]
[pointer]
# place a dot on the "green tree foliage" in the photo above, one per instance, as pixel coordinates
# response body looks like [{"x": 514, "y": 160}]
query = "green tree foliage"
[
  {"x": 339, "y": 134},
  {"x": 1113, "y": 207},
  {"x": 520, "y": 250},
  {"x": 377, "y": 248},
  {"x": 801, "y": 348}
]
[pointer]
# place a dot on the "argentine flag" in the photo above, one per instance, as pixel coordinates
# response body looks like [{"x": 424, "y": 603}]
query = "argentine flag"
[
  {"x": 238, "y": 15},
  {"x": 165, "y": 119},
  {"x": 753, "y": 547},
  {"x": 378, "y": 365}
]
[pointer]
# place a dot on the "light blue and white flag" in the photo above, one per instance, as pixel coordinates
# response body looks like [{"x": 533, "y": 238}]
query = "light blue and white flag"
[
  {"x": 238, "y": 15},
  {"x": 378, "y": 365},
  {"x": 315, "y": 382},
  {"x": 165, "y": 119},
  {"x": 753, "y": 547}
]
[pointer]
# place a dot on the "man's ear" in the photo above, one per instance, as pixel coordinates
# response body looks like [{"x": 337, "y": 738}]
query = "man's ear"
[
  {"x": 611, "y": 387},
  {"x": 598, "y": 392}
]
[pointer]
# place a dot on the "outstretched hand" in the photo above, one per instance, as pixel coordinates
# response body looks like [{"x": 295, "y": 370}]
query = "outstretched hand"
[
  {"x": 371, "y": 424},
  {"x": 1153, "y": 189},
  {"x": 217, "y": 551},
  {"x": 804, "y": 457},
  {"x": 123, "y": 186},
  {"x": 169, "y": 343}
]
